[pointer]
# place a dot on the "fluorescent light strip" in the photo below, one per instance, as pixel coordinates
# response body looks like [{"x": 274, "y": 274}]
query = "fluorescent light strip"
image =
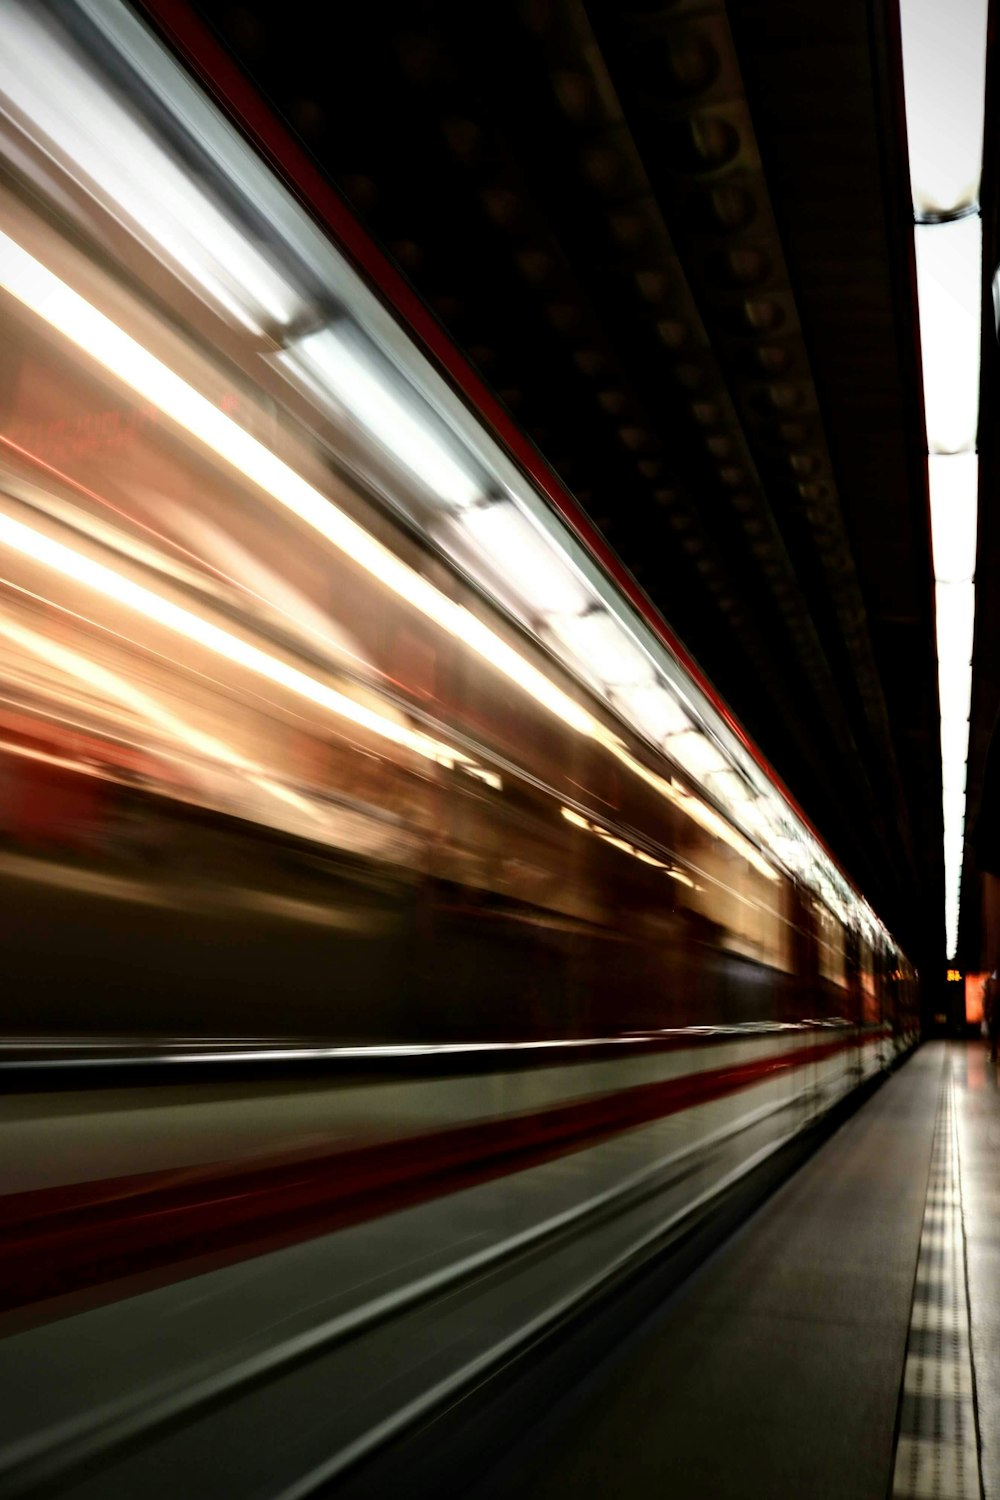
[
  {"x": 954, "y": 741},
  {"x": 954, "y": 486},
  {"x": 954, "y": 687},
  {"x": 954, "y": 493},
  {"x": 956, "y": 610},
  {"x": 949, "y": 297},
  {"x": 944, "y": 78}
]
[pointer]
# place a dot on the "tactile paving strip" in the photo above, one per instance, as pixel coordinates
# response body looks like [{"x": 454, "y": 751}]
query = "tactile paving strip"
[{"x": 937, "y": 1453}]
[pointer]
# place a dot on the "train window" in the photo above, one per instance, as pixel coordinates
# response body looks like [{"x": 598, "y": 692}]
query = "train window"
[{"x": 830, "y": 946}]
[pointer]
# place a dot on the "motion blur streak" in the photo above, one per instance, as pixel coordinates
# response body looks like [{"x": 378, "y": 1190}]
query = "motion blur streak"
[
  {"x": 104, "y": 580},
  {"x": 699, "y": 811},
  {"x": 127, "y": 693},
  {"x": 121, "y": 160},
  {"x": 332, "y": 365},
  {"x": 345, "y": 799},
  {"x": 36, "y": 286}
]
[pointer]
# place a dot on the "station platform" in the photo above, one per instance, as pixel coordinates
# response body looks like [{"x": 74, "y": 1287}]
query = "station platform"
[{"x": 825, "y": 1348}]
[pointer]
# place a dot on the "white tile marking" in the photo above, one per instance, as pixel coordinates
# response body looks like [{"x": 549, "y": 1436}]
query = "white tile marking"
[
  {"x": 929, "y": 1376},
  {"x": 927, "y": 1468},
  {"x": 949, "y": 1238},
  {"x": 935, "y": 1316}
]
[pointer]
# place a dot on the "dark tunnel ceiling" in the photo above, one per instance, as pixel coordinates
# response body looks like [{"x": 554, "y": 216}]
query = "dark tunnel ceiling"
[{"x": 675, "y": 239}]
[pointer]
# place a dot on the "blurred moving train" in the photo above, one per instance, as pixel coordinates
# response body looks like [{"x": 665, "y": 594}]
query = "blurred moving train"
[
  {"x": 326, "y": 734},
  {"x": 302, "y": 685}
]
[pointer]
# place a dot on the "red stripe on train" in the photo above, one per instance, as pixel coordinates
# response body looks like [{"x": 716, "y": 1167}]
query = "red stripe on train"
[{"x": 58, "y": 1240}]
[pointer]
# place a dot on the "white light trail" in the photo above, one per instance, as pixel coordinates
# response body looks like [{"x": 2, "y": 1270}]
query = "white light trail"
[
  {"x": 327, "y": 364},
  {"x": 100, "y": 338},
  {"x": 516, "y": 549},
  {"x": 184, "y": 622},
  {"x": 603, "y": 648},
  {"x": 114, "y": 154}
]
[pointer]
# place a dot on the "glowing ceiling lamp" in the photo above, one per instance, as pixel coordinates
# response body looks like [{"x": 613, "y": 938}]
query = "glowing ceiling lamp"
[
  {"x": 954, "y": 690},
  {"x": 944, "y": 72},
  {"x": 956, "y": 611},
  {"x": 944, "y": 77},
  {"x": 954, "y": 741},
  {"x": 949, "y": 294},
  {"x": 954, "y": 487}
]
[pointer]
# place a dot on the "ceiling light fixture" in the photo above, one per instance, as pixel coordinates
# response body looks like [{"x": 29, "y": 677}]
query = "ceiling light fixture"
[{"x": 944, "y": 80}]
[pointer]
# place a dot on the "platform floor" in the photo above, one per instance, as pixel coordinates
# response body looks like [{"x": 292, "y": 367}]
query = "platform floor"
[
  {"x": 824, "y": 1350},
  {"x": 977, "y": 1099}
]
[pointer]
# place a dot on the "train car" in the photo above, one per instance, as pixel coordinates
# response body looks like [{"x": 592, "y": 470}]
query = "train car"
[{"x": 332, "y": 741}]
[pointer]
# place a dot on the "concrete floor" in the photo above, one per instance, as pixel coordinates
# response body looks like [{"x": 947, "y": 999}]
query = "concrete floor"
[
  {"x": 776, "y": 1369},
  {"x": 977, "y": 1101}
]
